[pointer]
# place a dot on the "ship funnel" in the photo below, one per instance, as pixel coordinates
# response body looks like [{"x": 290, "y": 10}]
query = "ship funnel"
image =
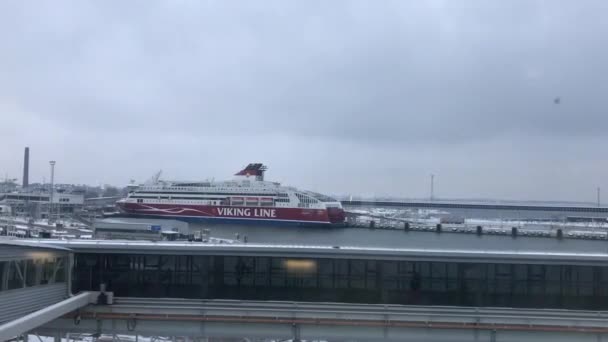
[{"x": 254, "y": 169}]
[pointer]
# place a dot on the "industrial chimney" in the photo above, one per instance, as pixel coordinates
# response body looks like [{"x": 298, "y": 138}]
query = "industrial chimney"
[{"x": 26, "y": 168}]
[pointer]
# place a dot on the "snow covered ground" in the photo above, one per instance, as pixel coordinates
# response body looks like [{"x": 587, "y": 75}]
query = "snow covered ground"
[
  {"x": 427, "y": 219},
  {"x": 133, "y": 338}
]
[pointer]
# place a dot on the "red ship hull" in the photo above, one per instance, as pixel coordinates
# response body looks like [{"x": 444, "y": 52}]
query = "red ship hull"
[{"x": 304, "y": 216}]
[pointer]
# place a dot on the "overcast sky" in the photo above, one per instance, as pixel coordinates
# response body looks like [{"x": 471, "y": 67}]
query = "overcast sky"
[{"x": 343, "y": 97}]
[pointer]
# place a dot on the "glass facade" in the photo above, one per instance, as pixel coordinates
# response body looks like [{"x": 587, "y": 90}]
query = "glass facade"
[
  {"x": 345, "y": 280},
  {"x": 17, "y": 274}
]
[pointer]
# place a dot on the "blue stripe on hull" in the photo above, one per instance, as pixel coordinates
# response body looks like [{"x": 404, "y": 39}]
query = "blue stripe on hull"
[{"x": 222, "y": 220}]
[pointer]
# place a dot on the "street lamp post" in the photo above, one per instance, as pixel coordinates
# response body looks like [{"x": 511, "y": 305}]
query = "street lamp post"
[
  {"x": 432, "y": 187},
  {"x": 52, "y": 190}
]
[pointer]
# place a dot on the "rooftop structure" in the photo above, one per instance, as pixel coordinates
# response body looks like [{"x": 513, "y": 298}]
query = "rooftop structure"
[{"x": 142, "y": 229}]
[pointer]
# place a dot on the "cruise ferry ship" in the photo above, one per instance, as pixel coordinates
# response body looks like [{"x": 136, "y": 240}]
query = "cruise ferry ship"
[{"x": 246, "y": 199}]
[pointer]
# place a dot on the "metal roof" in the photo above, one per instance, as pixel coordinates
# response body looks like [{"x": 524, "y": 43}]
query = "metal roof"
[
  {"x": 476, "y": 254},
  {"x": 31, "y": 244}
]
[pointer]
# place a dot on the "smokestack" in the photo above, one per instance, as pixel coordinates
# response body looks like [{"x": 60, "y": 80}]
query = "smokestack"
[{"x": 26, "y": 168}]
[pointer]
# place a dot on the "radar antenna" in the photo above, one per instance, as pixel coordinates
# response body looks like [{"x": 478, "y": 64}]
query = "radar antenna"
[{"x": 155, "y": 177}]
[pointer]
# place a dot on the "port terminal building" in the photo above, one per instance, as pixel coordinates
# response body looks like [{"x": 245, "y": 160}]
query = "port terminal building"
[{"x": 451, "y": 290}]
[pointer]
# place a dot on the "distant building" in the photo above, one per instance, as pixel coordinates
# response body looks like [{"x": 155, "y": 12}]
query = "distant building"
[
  {"x": 8, "y": 185},
  {"x": 5, "y": 210},
  {"x": 37, "y": 204},
  {"x": 451, "y": 219},
  {"x": 140, "y": 229}
]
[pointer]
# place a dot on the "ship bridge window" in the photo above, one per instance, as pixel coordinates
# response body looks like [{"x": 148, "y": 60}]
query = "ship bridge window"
[
  {"x": 305, "y": 199},
  {"x": 322, "y": 197}
]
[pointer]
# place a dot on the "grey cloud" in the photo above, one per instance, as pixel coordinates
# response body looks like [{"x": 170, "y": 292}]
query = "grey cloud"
[{"x": 390, "y": 77}]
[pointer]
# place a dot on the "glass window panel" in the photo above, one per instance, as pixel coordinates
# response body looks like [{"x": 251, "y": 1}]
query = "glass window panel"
[
  {"x": 438, "y": 270},
  {"x": 48, "y": 267},
  {"x": 536, "y": 287},
  {"x": 229, "y": 263},
  {"x": 277, "y": 272},
  {"x": 120, "y": 262},
  {"x": 244, "y": 270},
  {"x": 15, "y": 280},
  {"x": 389, "y": 283},
  {"x": 167, "y": 262},
  {"x": 371, "y": 267},
  {"x": 326, "y": 281},
  {"x": 341, "y": 266},
  {"x": 302, "y": 281},
  {"x": 520, "y": 287},
  {"x": 503, "y": 271},
  {"x": 357, "y": 283},
  {"x": 406, "y": 267},
  {"x": 491, "y": 271},
  {"x": 585, "y": 288},
  {"x": 567, "y": 273},
  {"x": 3, "y": 266},
  {"x": 552, "y": 273},
  {"x": 438, "y": 285},
  {"x": 183, "y": 262},
  {"x": 452, "y": 270},
  {"x": 277, "y": 280},
  {"x": 424, "y": 269},
  {"x": 357, "y": 268},
  {"x": 325, "y": 267},
  {"x": 151, "y": 262},
  {"x": 472, "y": 285},
  {"x": 474, "y": 271},
  {"x": 87, "y": 260},
  {"x": 389, "y": 275},
  {"x": 552, "y": 287},
  {"x": 33, "y": 270},
  {"x": 389, "y": 268},
  {"x": 61, "y": 264},
  {"x": 535, "y": 272},
  {"x": 261, "y": 264},
  {"x": 277, "y": 265},
  {"x": 200, "y": 264},
  {"x": 371, "y": 275},
  {"x": 503, "y": 286},
  {"x": 230, "y": 279},
  {"x": 521, "y": 272},
  {"x": 370, "y": 282},
  {"x": 415, "y": 283},
  {"x": 452, "y": 285},
  {"x": 604, "y": 274},
  {"x": 585, "y": 273},
  {"x": 341, "y": 281}
]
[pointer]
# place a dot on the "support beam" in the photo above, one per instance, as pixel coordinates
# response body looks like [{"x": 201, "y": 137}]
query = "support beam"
[
  {"x": 35, "y": 319},
  {"x": 331, "y": 321}
]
